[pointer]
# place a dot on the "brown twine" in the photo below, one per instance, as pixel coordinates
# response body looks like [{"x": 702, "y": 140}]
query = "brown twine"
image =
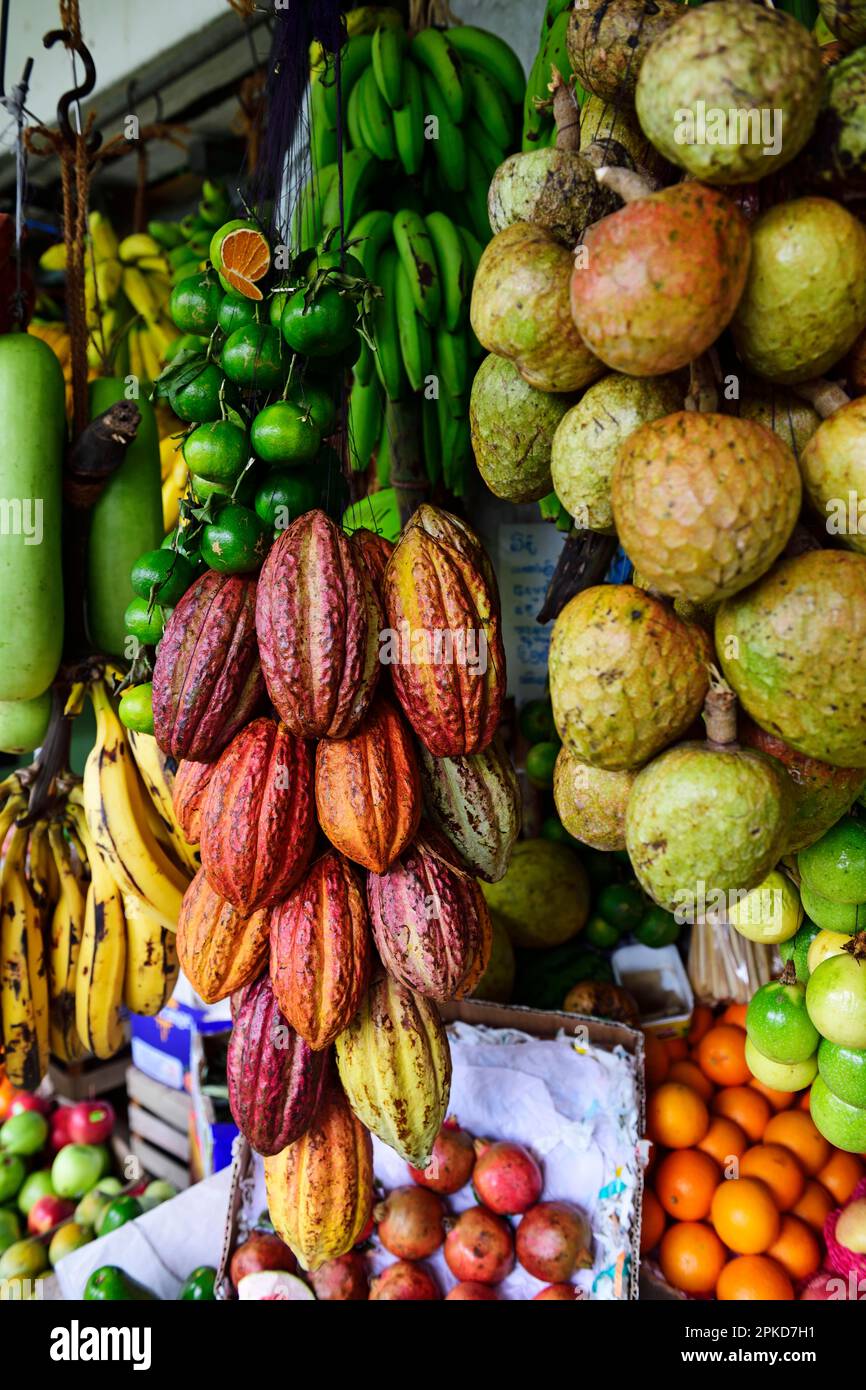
[{"x": 248, "y": 121}]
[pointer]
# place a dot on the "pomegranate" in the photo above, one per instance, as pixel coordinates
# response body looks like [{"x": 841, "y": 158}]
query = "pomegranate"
[
  {"x": 261, "y": 1251},
  {"x": 564, "y": 1293},
  {"x": 452, "y": 1161},
  {"x": 343, "y": 1280},
  {"x": 404, "y": 1283},
  {"x": 410, "y": 1222},
  {"x": 479, "y": 1247},
  {"x": 827, "y": 1287},
  {"x": 470, "y": 1291},
  {"x": 506, "y": 1177},
  {"x": 554, "y": 1240}
]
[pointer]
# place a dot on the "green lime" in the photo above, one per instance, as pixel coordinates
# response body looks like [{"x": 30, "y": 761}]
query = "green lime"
[
  {"x": 176, "y": 540},
  {"x": 12, "y": 1175},
  {"x": 317, "y": 401},
  {"x": 164, "y": 574},
  {"x": 285, "y": 433},
  {"x": 202, "y": 489},
  {"x": 835, "y": 866},
  {"x": 844, "y": 1071},
  {"x": 217, "y": 451},
  {"x": 331, "y": 260},
  {"x": 236, "y": 542},
  {"x": 252, "y": 357},
  {"x": 200, "y": 399},
  {"x": 284, "y": 496},
  {"x": 147, "y": 627},
  {"x": 136, "y": 708},
  {"x": 194, "y": 303},
  {"x": 600, "y": 933},
  {"x": 219, "y": 236},
  {"x": 187, "y": 342},
  {"x": 779, "y": 1025},
  {"x": 198, "y": 1287},
  {"x": 621, "y": 904},
  {"x": 832, "y": 916},
  {"x": 540, "y": 761},
  {"x": 796, "y": 949},
  {"x": 276, "y": 305},
  {"x": 236, "y": 311},
  {"x": 117, "y": 1213},
  {"x": 111, "y": 1284},
  {"x": 324, "y": 328},
  {"x": 536, "y": 722},
  {"x": 10, "y": 1228},
  {"x": 552, "y": 828},
  {"x": 657, "y": 928}
]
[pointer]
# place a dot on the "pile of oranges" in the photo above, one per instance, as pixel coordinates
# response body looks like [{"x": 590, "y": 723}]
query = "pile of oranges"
[{"x": 739, "y": 1181}]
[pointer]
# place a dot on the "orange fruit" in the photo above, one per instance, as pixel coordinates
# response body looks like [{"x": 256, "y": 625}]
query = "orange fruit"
[
  {"x": 676, "y": 1049},
  {"x": 702, "y": 1020},
  {"x": 805, "y": 1101},
  {"x": 685, "y": 1183},
  {"x": 245, "y": 257},
  {"x": 656, "y": 1060},
  {"x": 780, "y": 1100},
  {"x": 814, "y": 1206},
  {"x": 755, "y": 1278},
  {"x": 841, "y": 1174},
  {"x": 796, "y": 1248},
  {"x": 652, "y": 1223},
  {"x": 744, "y": 1215},
  {"x": 736, "y": 1014},
  {"x": 691, "y": 1075},
  {"x": 747, "y": 1108},
  {"x": 795, "y": 1130},
  {"x": 722, "y": 1055},
  {"x": 723, "y": 1141},
  {"x": 677, "y": 1117},
  {"x": 779, "y": 1169},
  {"x": 691, "y": 1257}
]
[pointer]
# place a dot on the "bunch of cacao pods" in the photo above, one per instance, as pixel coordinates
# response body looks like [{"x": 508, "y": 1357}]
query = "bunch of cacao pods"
[{"x": 335, "y": 726}]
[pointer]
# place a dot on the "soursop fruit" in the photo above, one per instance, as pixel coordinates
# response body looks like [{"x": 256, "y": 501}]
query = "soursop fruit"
[
  {"x": 551, "y": 188},
  {"x": 837, "y": 151},
  {"x": 512, "y": 428},
  {"x": 589, "y": 436},
  {"x": 834, "y": 473},
  {"x": 608, "y": 40},
  {"x": 731, "y": 92},
  {"x": 792, "y": 419},
  {"x": 591, "y": 801},
  {"x": 846, "y": 19}
]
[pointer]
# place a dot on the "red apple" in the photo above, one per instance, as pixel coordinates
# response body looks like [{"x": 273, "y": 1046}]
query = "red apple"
[
  {"x": 47, "y": 1212},
  {"x": 25, "y": 1101},
  {"x": 90, "y": 1122},
  {"x": 60, "y": 1135}
]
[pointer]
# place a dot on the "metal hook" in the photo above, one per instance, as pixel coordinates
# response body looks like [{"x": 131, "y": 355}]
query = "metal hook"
[{"x": 75, "y": 94}]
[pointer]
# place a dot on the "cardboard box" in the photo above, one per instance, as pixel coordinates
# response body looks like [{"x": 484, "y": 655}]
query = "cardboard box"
[{"x": 650, "y": 972}]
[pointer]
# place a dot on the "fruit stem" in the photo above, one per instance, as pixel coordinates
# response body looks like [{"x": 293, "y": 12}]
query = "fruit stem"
[
  {"x": 624, "y": 182},
  {"x": 720, "y": 712},
  {"x": 856, "y": 947},
  {"x": 825, "y": 396},
  {"x": 566, "y": 112},
  {"x": 789, "y": 974},
  {"x": 702, "y": 395}
]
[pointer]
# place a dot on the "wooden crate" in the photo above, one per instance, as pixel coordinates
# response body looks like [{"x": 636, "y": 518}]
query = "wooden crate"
[
  {"x": 82, "y": 1080},
  {"x": 159, "y": 1121}
]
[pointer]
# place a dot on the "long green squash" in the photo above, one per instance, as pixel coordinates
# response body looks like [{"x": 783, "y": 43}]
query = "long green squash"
[
  {"x": 32, "y": 439},
  {"x": 126, "y": 521}
]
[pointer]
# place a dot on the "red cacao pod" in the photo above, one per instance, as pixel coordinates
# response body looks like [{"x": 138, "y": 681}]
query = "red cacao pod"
[
  {"x": 318, "y": 622},
  {"x": 372, "y": 552},
  {"x": 475, "y": 801},
  {"x": 274, "y": 1077},
  {"x": 320, "y": 1189},
  {"x": 188, "y": 794},
  {"x": 258, "y": 823},
  {"x": 207, "y": 680},
  {"x": 431, "y": 923},
  {"x": 368, "y": 789},
  {"x": 219, "y": 950},
  {"x": 443, "y": 641},
  {"x": 320, "y": 951}
]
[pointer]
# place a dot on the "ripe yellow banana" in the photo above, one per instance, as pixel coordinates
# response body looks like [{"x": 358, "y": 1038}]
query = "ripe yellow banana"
[
  {"x": 44, "y": 883},
  {"x": 103, "y": 237},
  {"x": 67, "y": 930},
  {"x": 158, "y": 781},
  {"x": 23, "y": 976},
  {"x": 101, "y": 971},
  {"x": 150, "y": 353},
  {"x": 136, "y": 245},
  {"x": 152, "y": 966},
  {"x": 116, "y": 806},
  {"x": 138, "y": 290}
]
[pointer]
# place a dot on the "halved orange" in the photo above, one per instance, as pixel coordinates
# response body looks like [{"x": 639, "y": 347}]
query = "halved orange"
[{"x": 244, "y": 257}]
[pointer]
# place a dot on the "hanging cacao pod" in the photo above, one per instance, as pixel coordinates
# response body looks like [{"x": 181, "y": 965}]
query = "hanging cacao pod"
[
  {"x": 320, "y": 1189},
  {"x": 188, "y": 794},
  {"x": 274, "y": 1078},
  {"x": 318, "y": 622},
  {"x": 207, "y": 680},
  {"x": 443, "y": 641},
  {"x": 372, "y": 552},
  {"x": 368, "y": 788},
  {"x": 475, "y": 801},
  {"x": 258, "y": 822},
  {"x": 219, "y": 950},
  {"x": 430, "y": 922},
  {"x": 320, "y": 950},
  {"x": 395, "y": 1066}
]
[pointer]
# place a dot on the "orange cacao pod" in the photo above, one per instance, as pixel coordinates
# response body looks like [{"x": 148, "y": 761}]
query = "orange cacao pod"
[
  {"x": 443, "y": 641},
  {"x": 219, "y": 950},
  {"x": 320, "y": 1189},
  {"x": 368, "y": 789},
  {"x": 320, "y": 951},
  {"x": 430, "y": 922},
  {"x": 188, "y": 794},
  {"x": 372, "y": 552},
  {"x": 318, "y": 622},
  {"x": 258, "y": 823}
]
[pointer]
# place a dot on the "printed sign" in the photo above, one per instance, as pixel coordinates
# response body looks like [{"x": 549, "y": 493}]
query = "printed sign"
[{"x": 527, "y": 559}]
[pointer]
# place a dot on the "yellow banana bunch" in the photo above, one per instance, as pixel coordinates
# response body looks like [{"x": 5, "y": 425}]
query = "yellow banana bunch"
[
  {"x": 158, "y": 781},
  {"x": 103, "y": 237},
  {"x": 101, "y": 971},
  {"x": 23, "y": 976},
  {"x": 173, "y": 489},
  {"x": 152, "y": 966},
  {"x": 66, "y": 933}
]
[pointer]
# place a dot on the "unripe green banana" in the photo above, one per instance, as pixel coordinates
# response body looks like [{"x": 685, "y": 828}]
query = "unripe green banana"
[
  {"x": 452, "y": 362},
  {"x": 449, "y": 145},
  {"x": 389, "y": 362},
  {"x": 365, "y": 414},
  {"x": 409, "y": 121},
  {"x": 416, "y": 345},
  {"x": 492, "y": 54},
  {"x": 360, "y": 171},
  {"x": 432, "y": 50},
  {"x": 480, "y": 140},
  {"x": 388, "y": 52},
  {"x": 418, "y": 258},
  {"x": 370, "y": 234},
  {"x": 374, "y": 117},
  {"x": 355, "y": 57},
  {"x": 491, "y": 105},
  {"x": 455, "y": 274}
]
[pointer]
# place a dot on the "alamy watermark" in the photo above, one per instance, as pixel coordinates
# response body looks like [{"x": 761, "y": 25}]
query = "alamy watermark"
[
  {"x": 714, "y": 125},
  {"x": 700, "y": 902},
  {"x": 22, "y": 516},
  {"x": 438, "y": 646}
]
